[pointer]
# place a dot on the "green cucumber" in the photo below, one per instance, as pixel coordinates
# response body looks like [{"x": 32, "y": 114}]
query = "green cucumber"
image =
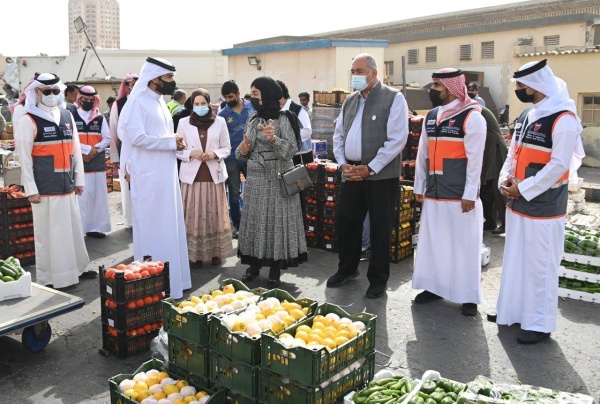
[{"x": 8, "y": 279}]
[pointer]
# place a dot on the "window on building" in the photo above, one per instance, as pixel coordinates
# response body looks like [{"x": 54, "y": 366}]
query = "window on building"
[
  {"x": 431, "y": 54},
  {"x": 413, "y": 56},
  {"x": 466, "y": 52},
  {"x": 590, "y": 111},
  {"x": 487, "y": 50},
  {"x": 552, "y": 40},
  {"x": 389, "y": 68},
  {"x": 525, "y": 41}
]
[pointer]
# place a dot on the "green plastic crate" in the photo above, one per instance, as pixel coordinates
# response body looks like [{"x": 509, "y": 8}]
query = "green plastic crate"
[
  {"x": 274, "y": 391},
  {"x": 243, "y": 348},
  {"x": 181, "y": 373},
  {"x": 217, "y": 395},
  {"x": 236, "y": 398},
  {"x": 190, "y": 357},
  {"x": 235, "y": 376},
  {"x": 313, "y": 366},
  {"x": 192, "y": 326}
]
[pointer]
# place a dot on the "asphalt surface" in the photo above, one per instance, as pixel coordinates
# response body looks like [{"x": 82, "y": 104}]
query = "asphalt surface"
[{"x": 410, "y": 338}]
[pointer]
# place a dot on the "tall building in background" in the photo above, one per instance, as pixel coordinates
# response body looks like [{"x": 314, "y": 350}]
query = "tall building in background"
[{"x": 103, "y": 24}]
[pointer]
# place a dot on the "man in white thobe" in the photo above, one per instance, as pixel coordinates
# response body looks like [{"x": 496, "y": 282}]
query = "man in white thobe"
[
  {"x": 448, "y": 260},
  {"x": 115, "y": 144},
  {"x": 148, "y": 150},
  {"x": 534, "y": 178},
  {"x": 52, "y": 174},
  {"x": 94, "y": 138}
]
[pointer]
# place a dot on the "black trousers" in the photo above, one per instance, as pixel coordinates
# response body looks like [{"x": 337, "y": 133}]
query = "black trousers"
[
  {"x": 303, "y": 159},
  {"x": 493, "y": 202},
  {"x": 356, "y": 199}
]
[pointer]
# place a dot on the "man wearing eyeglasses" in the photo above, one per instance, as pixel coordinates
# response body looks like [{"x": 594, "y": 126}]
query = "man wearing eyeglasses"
[{"x": 53, "y": 174}]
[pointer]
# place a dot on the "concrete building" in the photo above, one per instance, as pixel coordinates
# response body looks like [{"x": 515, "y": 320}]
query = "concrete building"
[{"x": 102, "y": 18}]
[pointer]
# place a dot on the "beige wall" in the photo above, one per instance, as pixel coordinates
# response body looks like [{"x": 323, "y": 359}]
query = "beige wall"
[
  {"x": 579, "y": 72},
  {"x": 504, "y": 47},
  {"x": 302, "y": 70}
]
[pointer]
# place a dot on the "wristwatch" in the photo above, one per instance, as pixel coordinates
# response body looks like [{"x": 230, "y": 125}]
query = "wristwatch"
[{"x": 371, "y": 172}]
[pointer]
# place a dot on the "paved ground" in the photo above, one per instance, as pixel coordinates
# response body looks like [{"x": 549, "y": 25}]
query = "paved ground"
[{"x": 410, "y": 338}]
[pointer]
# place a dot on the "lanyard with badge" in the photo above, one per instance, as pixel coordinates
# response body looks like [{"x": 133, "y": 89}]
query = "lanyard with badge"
[{"x": 519, "y": 146}]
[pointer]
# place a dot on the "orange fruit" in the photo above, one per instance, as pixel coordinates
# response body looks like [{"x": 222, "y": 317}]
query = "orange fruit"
[{"x": 148, "y": 300}]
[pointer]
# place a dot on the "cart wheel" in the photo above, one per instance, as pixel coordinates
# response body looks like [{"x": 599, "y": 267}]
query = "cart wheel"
[{"x": 31, "y": 342}]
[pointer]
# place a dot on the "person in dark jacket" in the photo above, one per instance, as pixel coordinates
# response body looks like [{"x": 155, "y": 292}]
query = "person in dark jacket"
[{"x": 494, "y": 155}]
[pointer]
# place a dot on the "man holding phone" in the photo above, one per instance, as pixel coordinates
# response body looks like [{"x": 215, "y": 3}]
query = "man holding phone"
[{"x": 535, "y": 178}]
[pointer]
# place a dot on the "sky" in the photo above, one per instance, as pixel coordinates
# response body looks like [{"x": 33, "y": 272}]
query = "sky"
[{"x": 31, "y": 27}]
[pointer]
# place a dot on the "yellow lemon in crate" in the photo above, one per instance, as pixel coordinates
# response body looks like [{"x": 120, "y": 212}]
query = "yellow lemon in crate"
[
  {"x": 294, "y": 306},
  {"x": 228, "y": 289},
  {"x": 343, "y": 333},
  {"x": 180, "y": 401},
  {"x": 313, "y": 343},
  {"x": 130, "y": 393},
  {"x": 181, "y": 384},
  {"x": 340, "y": 340},
  {"x": 189, "y": 399},
  {"x": 329, "y": 343},
  {"x": 170, "y": 389},
  {"x": 318, "y": 332},
  {"x": 195, "y": 299},
  {"x": 318, "y": 318},
  {"x": 296, "y": 313},
  {"x": 313, "y": 338},
  {"x": 159, "y": 395},
  {"x": 140, "y": 386},
  {"x": 278, "y": 326},
  {"x": 259, "y": 316},
  {"x": 152, "y": 380},
  {"x": 288, "y": 320},
  {"x": 201, "y": 394},
  {"x": 205, "y": 298},
  {"x": 239, "y": 326},
  {"x": 162, "y": 375},
  {"x": 142, "y": 395},
  {"x": 317, "y": 325},
  {"x": 303, "y": 335},
  {"x": 216, "y": 292},
  {"x": 305, "y": 310},
  {"x": 267, "y": 312},
  {"x": 286, "y": 335},
  {"x": 304, "y": 328}
]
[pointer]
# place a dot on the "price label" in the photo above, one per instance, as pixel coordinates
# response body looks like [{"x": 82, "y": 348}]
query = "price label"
[
  {"x": 328, "y": 245},
  {"x": 329, "y": 179},
  {"x": 311, "y": 228},
  {"x": 108, "y": 289},
  {"x": 330, "y": 198},
  {"x": 111, "y": 322}
]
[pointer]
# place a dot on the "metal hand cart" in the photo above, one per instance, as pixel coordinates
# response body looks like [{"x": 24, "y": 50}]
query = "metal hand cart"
[{"x": 32, "y": 314}]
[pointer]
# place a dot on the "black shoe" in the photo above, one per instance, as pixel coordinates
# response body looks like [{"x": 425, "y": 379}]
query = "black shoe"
[
  {"x": 234, "y": 232},
  {"x": 426, "y": 297},
  {"x": 338, "y": 279},
  {"x": 531, "y": 337},
  {"x": 273, "y": 283},
  {"x": 469, "y": 309},
  {"x": 95, "y": 234},
  {"x": 274, "y": 274},
  {"x": 51, "y": 286},
  {"x": 365, "y": 255},
  {"x": 375, "y": 292},
  {"x": 499, "y": 230},
  {"x": 88, "y": 275},
  {"x": 488, "y": 227},
  {"x": 250, "y": 274}
]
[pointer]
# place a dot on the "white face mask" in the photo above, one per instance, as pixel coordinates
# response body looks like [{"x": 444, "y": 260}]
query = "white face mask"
[
  {"x": 50, "y": 100},
  {"x": 360, "y": 82}
]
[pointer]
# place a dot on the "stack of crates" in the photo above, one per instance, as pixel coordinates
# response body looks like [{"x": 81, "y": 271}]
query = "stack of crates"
[
  {"x": 409, "y": 154},
  {"x": 404, "y": 224},
  {"x": 16, "y": 229},
  {"x": 235, "y": 358},
  {"x": 131, "y": 310},
  {"x": 321, "y": 205},
  {"x": 318, "y": 375},
  {"x": 109, "y": 171}
]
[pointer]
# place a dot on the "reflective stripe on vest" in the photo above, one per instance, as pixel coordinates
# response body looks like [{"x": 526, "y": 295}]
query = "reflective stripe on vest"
[
  {"x": 447, "y": 162},
  {"x": 91, "y": 134},
  {"x": 531, "y": 156},
  {"x": 52, "y": 154}
]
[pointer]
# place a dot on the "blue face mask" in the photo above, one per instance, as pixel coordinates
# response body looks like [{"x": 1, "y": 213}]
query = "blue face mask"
[
  {"x": 201, "y": 111},
  {"x": 359, "y": 83}
]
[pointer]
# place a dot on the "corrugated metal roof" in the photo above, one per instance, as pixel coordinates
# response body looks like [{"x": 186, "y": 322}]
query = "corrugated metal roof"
[{"x": 559, "y": 52}]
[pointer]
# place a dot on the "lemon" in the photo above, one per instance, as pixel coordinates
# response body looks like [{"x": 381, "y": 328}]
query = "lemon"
[
  {"x": 318, "y": 325},
  {"x": 152, "y": 380},
  {"x": 162, "y": 375},
  {"x": 312, "y": 343},
  {"x": 259, "y": 317},
  {"x": 159, "y": 395},
  {"x": 189, "y": 399},
  {"x": 216, "y": 293},
  {"x": 195, "y": 299},
  {"x": 130, "y": 393},
  {"x": 286, "y": 335},
  {"x": 303, "y": 335},
  {"x": 140, "y": 386},
  {"x": 205, "y": 298},
  {"x": 305, "y": 310},
  {"x": 278, "y": 326},
  {"x": 180, "y": 401},
  {"x": 296, "y": 313},
  {"x": 314, "y": 338},
  {"x": 304, "y": 328},
  {"x": 318, "y": 318},
  {"x": 228, "y": 289},
  {"x": 288, "y": 320},
  {"x": 142, "y": 395},
  {"x": 329, "y": 343},
  {"x": 201, "y": 394},
  {"x": 170, "y": 389},
  {"x": 340, "y": 340},
  {"x": 294, "y": 306},
  {"x": 318, "y": 332},
  {"x": 239, "y": 326},
  {"x": 181, "y": 384},
  {"x": 343, "y": 333}
]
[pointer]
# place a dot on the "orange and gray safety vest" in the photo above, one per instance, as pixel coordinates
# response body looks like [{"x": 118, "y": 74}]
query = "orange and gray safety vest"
[
  {"x": 52, "y": 155},
  {"x": 447, "y": 162},
  {"x": 532, "y": 153},
  {"x": 91, "y": 134}
]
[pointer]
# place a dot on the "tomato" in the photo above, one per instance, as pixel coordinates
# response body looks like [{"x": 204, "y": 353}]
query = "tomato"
[
  {"x": 109, "y": 273},
  {"x": 129, "y": 275},
  {"x": 138, "y": 275},
  {"x": 148, "y": 328},
  {"x": 156, "y": 298},
  {"x": 148, "y": 300},
  {"x": 140, "y": 303},
  {"x": 152, "y": 271},
  {"x": 130, "y": 305},
  {"x": 140, "y": 330},
  {"x": 145, "y": 274}
]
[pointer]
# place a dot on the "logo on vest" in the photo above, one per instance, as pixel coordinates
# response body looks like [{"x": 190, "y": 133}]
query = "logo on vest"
[
  {"x": 431, "y": 122},
  {"x": 537, "y": 127},
  {"x": 49, "y": 130},
  {"x": 451, "y": 122},
  {"x": 68, "y": 126},
  {"x": 518, "y": 125}
]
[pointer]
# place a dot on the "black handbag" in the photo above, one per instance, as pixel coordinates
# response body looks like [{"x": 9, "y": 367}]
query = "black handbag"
[{"x": 294, "y": 181}]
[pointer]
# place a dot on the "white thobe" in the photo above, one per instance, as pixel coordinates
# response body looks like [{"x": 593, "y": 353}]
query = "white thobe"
[
  {"x": 148, "y": 149},
  {"x": 534, "y": 247},
  {"x": 93, "y": 203},
  {"x": 60, "y": 251},
  {"x": 448, "y": 255},
  {"x": 115, "y": 158}
]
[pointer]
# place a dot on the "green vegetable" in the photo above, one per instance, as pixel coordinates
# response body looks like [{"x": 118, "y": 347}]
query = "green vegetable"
[{"x": 8, "y": 279}]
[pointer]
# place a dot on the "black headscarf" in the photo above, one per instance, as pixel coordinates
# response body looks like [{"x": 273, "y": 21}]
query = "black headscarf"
[{"x": 270, "y": 93}]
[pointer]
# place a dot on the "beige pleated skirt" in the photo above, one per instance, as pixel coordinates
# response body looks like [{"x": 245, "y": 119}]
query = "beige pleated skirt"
[{"x": 206, "y": 220}]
